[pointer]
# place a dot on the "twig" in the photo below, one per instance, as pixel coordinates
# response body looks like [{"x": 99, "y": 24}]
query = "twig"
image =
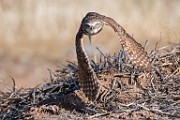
[
  {"x": 14, "y": 83},
  {"x": 126, "y": 105},
  {"x": 98, "y": 115},
  {"x": 113, "y": 84},
  {"x": 50, "y": 75},
  {"x": 156, "y": 111},
  {"x": 127, "y": 75},
  {"x": 146, "y": 43},
  {"x": 152, "y": 83},
  {"x": 101, "y": 52}
]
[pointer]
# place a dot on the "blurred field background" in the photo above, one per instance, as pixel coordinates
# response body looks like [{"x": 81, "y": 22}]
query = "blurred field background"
[{"x": 40, "y": 34}]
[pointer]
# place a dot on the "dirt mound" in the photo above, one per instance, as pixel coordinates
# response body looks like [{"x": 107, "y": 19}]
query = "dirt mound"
[{"x": 126, "y": 91}]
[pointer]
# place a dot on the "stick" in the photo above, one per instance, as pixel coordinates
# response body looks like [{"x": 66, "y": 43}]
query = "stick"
[{"x": 98, "y": 114}]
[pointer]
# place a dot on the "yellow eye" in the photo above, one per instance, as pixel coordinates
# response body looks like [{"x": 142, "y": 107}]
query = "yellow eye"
[{"x": 97, "y": 25}]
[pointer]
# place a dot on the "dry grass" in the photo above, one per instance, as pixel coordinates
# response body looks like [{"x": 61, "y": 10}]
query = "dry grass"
[{"x": 127, "y": 92}]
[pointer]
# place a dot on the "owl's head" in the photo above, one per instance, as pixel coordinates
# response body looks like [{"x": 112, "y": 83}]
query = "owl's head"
[{"x": 91, "y": 25}]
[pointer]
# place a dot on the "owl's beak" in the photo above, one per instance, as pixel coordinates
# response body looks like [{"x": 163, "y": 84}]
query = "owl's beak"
[{"x": 91, "y": 27}]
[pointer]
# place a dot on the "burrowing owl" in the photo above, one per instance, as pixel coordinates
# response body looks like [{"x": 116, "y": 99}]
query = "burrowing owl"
[{"x": 92, "y": 24}]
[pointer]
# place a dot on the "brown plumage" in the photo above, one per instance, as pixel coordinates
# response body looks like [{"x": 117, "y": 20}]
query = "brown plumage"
[
  {"x": 87, "y": 76},
  {"x": 92, "y": 24},
  {"x": 134, "y": 50}
]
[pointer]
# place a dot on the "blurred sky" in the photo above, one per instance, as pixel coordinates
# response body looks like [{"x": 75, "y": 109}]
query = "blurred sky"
[{"x": 46, "y": 29}]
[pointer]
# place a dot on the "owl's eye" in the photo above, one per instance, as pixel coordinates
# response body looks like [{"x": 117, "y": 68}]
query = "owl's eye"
[{"x": 97, "y": 25}]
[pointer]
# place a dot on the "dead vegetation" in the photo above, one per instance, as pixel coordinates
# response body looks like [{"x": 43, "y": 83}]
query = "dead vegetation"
[{"x": 126, "y": 91}]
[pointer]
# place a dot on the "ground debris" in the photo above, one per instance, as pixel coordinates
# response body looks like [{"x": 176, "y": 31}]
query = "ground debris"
[{"x": 127, "y": 92}]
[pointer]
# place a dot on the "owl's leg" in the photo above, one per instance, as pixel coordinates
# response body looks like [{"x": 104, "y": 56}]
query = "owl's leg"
[{"x": 92, "y": 48}]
